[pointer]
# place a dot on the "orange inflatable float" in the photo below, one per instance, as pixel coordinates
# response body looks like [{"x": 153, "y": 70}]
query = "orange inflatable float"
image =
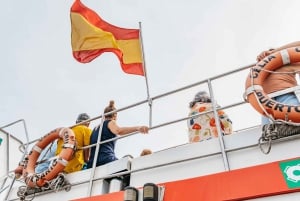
[
  {"x": 27, "y": 167},
  {"x": 255, "y": 94}
]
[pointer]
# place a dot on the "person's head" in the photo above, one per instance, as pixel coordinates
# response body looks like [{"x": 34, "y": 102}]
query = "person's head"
[
  {"x": 109, "y": 108},
  {"x": 146, "y": 152},
  {"x": 200, "y": 97},
  {"x": 83, "y": 117}
]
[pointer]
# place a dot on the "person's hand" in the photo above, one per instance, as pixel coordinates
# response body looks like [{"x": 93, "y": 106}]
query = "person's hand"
[
  {"x": 264, "y": 54},
  {"x": 143, "y": 129}
]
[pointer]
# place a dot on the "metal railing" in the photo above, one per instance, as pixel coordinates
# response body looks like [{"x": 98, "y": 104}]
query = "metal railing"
[
  {"x": 8, "y": 152},
  {"x": 149, "y": 101}
]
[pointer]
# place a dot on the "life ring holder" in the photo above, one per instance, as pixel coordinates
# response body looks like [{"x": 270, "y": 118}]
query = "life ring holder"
[
  {"x": 33, "y": 179},
  {"x": 260, "y": 101}
]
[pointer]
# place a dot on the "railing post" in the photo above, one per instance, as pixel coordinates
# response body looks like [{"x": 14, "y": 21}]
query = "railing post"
[{"x": 218, "y": 125}]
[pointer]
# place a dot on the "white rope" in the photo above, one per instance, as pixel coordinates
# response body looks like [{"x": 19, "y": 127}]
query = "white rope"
[
  {"x": 37, "y": 149},
  {"x": 285, "y": 57},
  {"x": 250, "y": 90},
  {"x": 261, "y": 106},
  {"x": 62, "y": 161},
  {"x": 72, "y": 146},
  {"x": 62, "y": 132}
]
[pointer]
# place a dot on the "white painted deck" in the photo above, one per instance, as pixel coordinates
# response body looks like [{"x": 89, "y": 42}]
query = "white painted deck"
[{"x": 177, "y": 163}]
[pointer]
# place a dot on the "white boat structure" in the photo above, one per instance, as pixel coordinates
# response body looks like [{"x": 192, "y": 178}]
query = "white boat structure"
[{"x": 227, "y": 168}]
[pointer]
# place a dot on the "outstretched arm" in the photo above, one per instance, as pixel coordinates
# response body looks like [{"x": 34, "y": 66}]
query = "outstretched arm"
[
  {"x": 126, "y": 130},
  {"x": 268, "y": 52}
]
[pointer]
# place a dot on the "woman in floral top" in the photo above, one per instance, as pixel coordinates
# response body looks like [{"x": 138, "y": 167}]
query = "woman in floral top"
[{"x": 203, "y": 127}]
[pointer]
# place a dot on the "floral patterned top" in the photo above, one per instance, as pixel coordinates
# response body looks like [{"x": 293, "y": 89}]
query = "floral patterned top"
[{"x": 203, "y": 127}]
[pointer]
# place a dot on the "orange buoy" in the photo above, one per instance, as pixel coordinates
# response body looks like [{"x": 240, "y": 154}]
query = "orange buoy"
[
  {"x": 255, "y": 94},
  {"x": 33, "y": 179}
]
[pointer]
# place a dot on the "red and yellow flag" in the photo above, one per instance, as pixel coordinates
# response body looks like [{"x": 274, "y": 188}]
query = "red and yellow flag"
[{"x": 92, "y": 36}]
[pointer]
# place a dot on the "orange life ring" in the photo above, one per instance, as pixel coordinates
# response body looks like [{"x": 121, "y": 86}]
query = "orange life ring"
[
  {"x": 254, "y": 93},
  {"x": 33, "y": 179}
]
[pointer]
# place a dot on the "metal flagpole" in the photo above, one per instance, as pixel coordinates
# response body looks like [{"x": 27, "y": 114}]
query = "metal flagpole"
[{"x": 146, "y": 78}]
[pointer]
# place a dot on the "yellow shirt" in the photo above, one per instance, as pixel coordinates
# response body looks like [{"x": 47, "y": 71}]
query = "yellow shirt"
[{"x": 82, "y": 136}]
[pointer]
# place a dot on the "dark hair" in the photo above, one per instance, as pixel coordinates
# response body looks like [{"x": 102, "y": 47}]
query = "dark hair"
[
  {"x": 82, "y": 117},
  {"x": 201, "y": 96},
  {"x": 109, "y": 108}
]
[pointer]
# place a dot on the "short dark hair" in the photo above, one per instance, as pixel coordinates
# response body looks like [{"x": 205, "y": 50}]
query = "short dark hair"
[
  {"x": 201, "y": 96},
  {"x": 82, "y": 117}
]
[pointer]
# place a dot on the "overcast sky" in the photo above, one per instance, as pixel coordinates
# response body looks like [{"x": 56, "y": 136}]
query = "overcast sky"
[{"x": 184, "y": 42}]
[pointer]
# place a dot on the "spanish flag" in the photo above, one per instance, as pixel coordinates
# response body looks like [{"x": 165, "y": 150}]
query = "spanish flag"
[{"x": 92, "y": 36}]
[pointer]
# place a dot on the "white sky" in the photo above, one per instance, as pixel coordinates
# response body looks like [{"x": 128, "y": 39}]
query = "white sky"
[{"x": 184, "y": 41}]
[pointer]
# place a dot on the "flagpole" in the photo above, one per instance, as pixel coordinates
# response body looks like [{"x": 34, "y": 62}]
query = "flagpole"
[{"x": 146, "y": 78}]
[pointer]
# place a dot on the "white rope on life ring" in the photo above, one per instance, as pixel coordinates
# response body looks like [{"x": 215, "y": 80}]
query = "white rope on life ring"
[
  {"x": 27, "y": 166},
  {"x": 255, "y": 95}
]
